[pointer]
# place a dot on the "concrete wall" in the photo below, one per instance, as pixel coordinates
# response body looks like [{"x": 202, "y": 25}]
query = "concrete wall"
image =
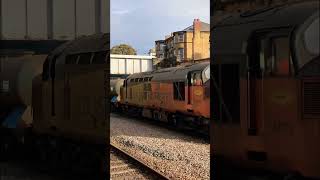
[{"x": 52, "y": 19}]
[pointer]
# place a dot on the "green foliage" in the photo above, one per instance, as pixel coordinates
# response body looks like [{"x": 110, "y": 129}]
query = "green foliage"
[{"x": 123, "y": 49}]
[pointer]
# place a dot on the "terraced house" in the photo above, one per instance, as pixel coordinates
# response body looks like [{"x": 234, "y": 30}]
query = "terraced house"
[{"x": 189, "y": 44}]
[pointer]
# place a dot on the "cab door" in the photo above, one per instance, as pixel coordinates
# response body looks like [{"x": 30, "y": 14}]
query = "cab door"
[
  {"x": 271, "y": 83},
  {"x": 279, "y": 87},
  {"x": 194, "y": 88},
  {"x": 273, "y": 97}
]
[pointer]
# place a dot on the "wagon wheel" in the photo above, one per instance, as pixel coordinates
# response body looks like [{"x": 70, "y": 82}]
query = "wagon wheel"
[{"x": 173, "y": 120}]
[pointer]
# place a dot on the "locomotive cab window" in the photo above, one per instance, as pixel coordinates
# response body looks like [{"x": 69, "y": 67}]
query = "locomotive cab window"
[
  {"x": 275, "y": 57},
  {"x": 85, "y": 58},
  {"x": 196, "y": 79},
  {"x": 72, "y": 59},
  {"x": 179, "y": 91},
  {"x": 99, "y": 57}
]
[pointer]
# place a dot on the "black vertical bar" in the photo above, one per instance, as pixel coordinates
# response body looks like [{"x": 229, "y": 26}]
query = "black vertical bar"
[
  {"x": 0, "y": 19},
  {"x": 26, "y": 16},
  {"x": 50, "y": 19},
  {"x": 75, "y": 19},
  {"x": 98, "y": 16}
]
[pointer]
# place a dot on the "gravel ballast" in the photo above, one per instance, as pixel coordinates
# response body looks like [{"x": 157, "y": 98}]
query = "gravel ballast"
[{"x": 176, "y": 155}]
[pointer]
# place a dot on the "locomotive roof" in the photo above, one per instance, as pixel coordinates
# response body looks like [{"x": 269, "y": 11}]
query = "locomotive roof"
[
  {"x": 171, "y": 74},
  {"x": 231, "y": 33},
  {"x": 92, "y": 43}
]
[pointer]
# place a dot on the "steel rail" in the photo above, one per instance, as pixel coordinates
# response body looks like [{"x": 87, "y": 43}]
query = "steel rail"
[{"x": 158, "y": 174}]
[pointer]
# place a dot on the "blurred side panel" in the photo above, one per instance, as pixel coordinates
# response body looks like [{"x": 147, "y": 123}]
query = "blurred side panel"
[
  {"x": 37, "y": 19},
  {"x": 85, "y": 22},
  {"x": 13, "y": 23},
  {"x": 105, "y": 16},
  {"x": 64, "y": 19}
]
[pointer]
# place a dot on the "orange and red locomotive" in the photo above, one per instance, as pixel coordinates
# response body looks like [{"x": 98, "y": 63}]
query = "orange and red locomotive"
[
  {"x": 174, "y": 95},
  {"x": 266, "y": 89}
]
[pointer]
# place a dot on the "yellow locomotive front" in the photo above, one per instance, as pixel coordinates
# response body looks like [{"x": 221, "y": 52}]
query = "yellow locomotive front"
[{"x": 70, "y": 100}]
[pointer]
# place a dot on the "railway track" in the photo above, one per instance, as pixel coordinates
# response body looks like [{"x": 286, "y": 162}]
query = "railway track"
[{"x": 125, "y": 166}]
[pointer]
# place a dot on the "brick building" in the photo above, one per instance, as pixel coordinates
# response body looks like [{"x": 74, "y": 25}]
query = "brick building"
[{"x": 189, "y": 44}]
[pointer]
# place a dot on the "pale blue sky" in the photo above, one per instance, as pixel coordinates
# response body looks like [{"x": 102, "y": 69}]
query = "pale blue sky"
[{"x": 141, "y": 22}]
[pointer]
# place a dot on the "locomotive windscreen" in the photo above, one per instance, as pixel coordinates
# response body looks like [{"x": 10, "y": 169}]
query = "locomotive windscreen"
[{"x": 307, "y": 43}]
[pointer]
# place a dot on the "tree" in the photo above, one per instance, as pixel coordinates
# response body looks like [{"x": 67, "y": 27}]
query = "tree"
[{"x": 123, "y": 49}]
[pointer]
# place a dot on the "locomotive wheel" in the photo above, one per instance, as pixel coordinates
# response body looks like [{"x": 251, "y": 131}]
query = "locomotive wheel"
[{"x": 174, "y": 121}]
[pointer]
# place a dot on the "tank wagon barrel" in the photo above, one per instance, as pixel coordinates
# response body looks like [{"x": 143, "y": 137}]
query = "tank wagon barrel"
[
  {"x": 115, "y": 85},
  {"x": 16, "y": 74}
]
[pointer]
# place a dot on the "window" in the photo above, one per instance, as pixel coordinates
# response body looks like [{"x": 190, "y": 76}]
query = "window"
[
  {"x": 275, "y": 57},
  {"x": 181, "y": 37},
  {"x": 206, "y": 74},
  {"x": 136, "y": 79},
  {"x": 311, "y": 38},
  {"x": 85, "y": 58},
  {"x": 196, "y": 79},
  {"x": 140, "y": 79},
  {"x": 281, "y": 59},
  {"x": 99, "y": 57},
  {"x": 179, "y": 91},
  {"x": 175, "y": 38},
  {"x": 72, "y": 59},
  {"x": 181, "y": 53},
  {"x": 226, "y": 92}
]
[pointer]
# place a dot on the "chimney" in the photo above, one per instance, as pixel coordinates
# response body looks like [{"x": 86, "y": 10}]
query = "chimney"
[
  {"x": 196, "y": 40},
  {"x": 196, "y": 25}
]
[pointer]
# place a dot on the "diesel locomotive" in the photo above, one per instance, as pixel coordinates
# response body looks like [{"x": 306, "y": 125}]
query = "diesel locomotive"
[
  {"x": 64, "y": 97},
  {"x": 266, "y": 89},
  {"x": 177, "y": 95}
]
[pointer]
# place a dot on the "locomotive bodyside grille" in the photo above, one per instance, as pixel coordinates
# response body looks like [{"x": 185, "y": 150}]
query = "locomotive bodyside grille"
[{"x": 311, "y": 99}]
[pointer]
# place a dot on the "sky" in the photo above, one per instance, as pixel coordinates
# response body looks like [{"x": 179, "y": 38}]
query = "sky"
[{"x": 140, "y": 23}]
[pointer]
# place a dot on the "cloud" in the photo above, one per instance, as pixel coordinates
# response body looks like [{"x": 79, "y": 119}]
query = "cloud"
[{"x": 119, "y": 12}]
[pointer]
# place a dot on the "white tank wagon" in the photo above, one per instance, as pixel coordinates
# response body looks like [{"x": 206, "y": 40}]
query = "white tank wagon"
[
  {"x": 17, "y": 71},
  {"x": 16, "y": 74},
  {"x": 115, "y": 85}
]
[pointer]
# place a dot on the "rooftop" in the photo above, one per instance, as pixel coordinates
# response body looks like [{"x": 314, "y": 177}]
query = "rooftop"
[{"x": 204, "y": 27}]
